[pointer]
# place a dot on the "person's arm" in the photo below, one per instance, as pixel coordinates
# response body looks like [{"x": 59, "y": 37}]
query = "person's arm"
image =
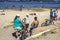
[
  {"x": 38, "y": 22},
  {"x": 32, "y": 23},
  {"x": 21, "y": 21}
]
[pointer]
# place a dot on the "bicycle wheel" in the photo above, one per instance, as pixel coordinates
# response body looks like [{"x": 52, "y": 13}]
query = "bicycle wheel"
[{"x": 43, "y": 24}]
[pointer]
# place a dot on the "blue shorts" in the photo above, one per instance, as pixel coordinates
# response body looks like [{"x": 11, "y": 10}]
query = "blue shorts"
[{"x": 32, "y": 27}]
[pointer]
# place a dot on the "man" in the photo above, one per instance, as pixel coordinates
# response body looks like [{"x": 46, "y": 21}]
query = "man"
[
  {"x": 27, "y": 21},
  {"x": 51, "y": 14},
  {"x": 34, "y": 25}
]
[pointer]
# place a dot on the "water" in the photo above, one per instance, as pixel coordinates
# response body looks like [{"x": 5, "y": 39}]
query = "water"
[{"x": 29, "y": 4}]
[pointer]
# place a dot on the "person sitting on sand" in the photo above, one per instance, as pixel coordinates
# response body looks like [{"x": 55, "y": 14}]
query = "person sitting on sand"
[
  {"x": 17, "y": 24},
  {"x": 34, "y": 25}
]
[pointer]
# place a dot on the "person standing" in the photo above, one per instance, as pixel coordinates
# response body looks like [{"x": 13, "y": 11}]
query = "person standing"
[
  {"x": 51, "y": 14},
  {"x": 55, "y": 14},
  {"x": 27, "y": 21},
  {"x": 56, "y": 11}
]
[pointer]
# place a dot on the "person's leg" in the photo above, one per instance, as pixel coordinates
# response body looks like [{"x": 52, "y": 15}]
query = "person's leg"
[
  {"x": 17, "y": 33},
  {"x": 31, "y": 30},
  {"x": 55, "y": 17},
  {"x": 50, "y": 17},
  {"x": 27, "y": 25}
]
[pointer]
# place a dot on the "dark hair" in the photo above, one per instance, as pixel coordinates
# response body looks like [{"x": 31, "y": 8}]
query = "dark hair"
[
  {"x": 16, "y": 17},
  {"x": 27, "y": 15},
  {"x": 34, "y": 13},
  {"x": 35, "y": 18},
  {"x": 51, "y": 9},
  {"x": 56, "y": 8}
]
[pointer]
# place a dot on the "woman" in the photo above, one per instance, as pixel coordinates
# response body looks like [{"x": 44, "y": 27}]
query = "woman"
[
  {"x": 56, "y": 11},
  {"x": 17, "y": 24},
  {"x": 27, "y": 22}
]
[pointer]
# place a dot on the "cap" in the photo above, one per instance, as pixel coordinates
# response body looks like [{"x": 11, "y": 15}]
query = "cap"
[
  {"x": 17, "y": 15},
  {"x": 27, "y": 14}
]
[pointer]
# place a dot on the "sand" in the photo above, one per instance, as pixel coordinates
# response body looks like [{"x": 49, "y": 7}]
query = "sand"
[
  {"x": 10, "y": 14},
  {"x": 6, "y": 34}
]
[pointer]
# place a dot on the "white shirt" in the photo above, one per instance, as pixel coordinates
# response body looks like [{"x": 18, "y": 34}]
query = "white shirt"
[
  {"x": 27, "y": 20},
  {"x": 56, "y": 13}
]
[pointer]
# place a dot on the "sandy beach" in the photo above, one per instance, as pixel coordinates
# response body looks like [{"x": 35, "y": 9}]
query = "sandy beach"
[
  {"x": 10, "y": 14},
  {"x": 5, "y": 34}
]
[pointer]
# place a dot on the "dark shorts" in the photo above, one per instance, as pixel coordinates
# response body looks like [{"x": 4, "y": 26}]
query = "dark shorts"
[
  {"x": 27, "y": 25},
  {"x": 32, "y": 27},
  {"x": 51, "y": 17}
]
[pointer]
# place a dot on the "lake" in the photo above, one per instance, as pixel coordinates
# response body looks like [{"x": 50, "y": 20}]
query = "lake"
[{"x": 29, "y": 4}]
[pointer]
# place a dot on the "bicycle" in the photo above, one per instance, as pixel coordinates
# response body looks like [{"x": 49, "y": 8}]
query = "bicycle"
[
  {"x": 47, "y": 22},
  {"x": 23, "y": 34}
]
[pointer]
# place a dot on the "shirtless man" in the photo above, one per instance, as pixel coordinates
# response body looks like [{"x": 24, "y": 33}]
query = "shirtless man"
[{"x": 34, "y": 25}]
